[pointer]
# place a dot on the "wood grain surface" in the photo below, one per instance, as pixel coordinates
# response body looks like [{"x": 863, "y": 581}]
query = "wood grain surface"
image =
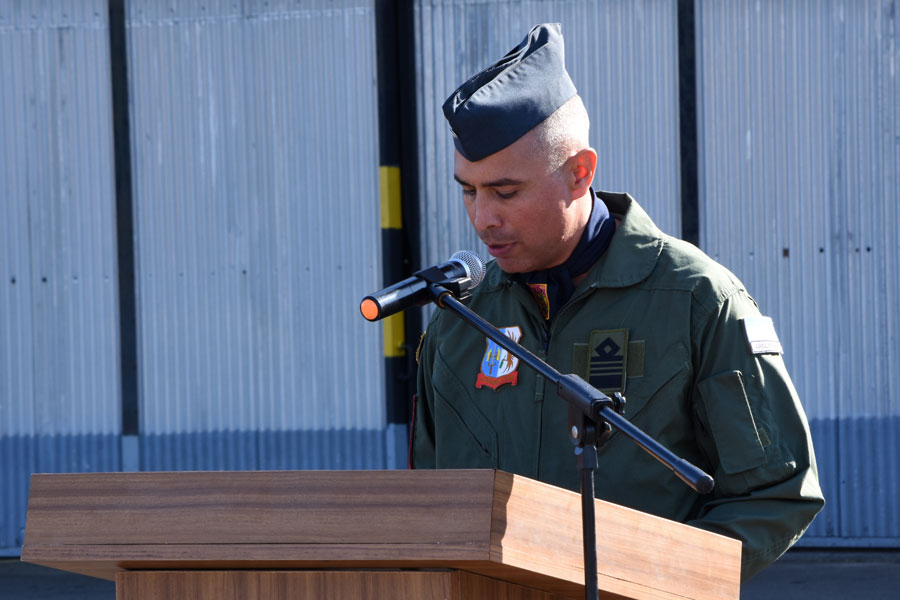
[
  {"x": 504, "y": 527},
  {"x": 317, "y": 585}
]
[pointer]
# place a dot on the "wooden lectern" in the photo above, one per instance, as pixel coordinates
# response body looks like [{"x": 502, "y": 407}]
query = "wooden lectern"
[{"x": 445, "y": 534}]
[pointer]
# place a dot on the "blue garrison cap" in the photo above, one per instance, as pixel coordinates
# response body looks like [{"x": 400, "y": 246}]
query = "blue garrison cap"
[{"x": 509, "y": 98}]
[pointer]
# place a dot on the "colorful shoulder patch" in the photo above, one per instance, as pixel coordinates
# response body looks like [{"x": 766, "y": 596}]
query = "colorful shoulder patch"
[
  {"x": 499, "y": 366},
  {"x": 761, "y": 336}
]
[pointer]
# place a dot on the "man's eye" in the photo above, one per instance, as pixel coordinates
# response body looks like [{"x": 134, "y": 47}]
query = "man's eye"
[
  {"x": 506, "y": 195},
  {"x": 468, "y": 192}
]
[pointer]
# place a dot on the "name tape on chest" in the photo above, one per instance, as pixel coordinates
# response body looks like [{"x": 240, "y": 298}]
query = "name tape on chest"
[{"x": 761, "y": 336}]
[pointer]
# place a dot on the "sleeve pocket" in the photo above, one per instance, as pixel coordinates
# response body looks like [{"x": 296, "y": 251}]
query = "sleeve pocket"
[{"x": 731, "y": 422}]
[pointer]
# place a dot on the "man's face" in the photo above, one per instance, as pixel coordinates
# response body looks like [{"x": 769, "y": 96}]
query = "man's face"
[{"x": 525, "y": 215}]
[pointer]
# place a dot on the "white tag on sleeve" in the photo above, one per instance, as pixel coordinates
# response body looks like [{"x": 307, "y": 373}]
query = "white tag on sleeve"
[{"x": 761, "y": 336}]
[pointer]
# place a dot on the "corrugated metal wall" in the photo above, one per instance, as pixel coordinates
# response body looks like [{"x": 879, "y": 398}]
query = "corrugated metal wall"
[
  {"x": 59, "y": 370},
  {"x": 622, "y": 56},
  {"x": 800, "y": 196},
  {"x": 255, "y": 157},
  {"x": 255, "y": 189}
]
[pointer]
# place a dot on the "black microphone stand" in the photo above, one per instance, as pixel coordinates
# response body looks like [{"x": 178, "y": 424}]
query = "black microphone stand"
[{"x": 591, "y": 413}]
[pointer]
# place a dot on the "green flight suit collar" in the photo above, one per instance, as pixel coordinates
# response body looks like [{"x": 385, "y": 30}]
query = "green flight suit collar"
[{"x": 632, "y": 254}]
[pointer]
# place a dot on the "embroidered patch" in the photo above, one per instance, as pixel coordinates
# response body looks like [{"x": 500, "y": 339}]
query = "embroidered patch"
[
  {"x": 634, "y": 362},
  {"x": 499, "y": 366},
  {"x": 761, "y": 336},
  {"x": 607, "y": 359},
  {"x": 541, "y": 297}
]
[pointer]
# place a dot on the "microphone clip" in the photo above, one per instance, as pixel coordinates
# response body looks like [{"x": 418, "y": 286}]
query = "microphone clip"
[{"x": 434, "y": 277}]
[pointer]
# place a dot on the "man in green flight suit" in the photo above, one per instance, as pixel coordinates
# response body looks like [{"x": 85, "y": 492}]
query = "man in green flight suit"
[{"x": 586, "y": 281}]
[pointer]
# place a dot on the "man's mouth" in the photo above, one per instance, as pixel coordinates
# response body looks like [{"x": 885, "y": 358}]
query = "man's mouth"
[{"x": 500, "y": 250}]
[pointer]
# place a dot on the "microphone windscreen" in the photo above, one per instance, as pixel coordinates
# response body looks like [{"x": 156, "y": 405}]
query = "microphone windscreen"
[{"x": 473, "y": 264}]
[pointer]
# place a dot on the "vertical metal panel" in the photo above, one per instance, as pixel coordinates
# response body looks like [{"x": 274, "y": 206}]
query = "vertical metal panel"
[
  {"x": 59, "y": 386},
  {"x": 255, "y": 161},
  {"x": 800, "y": 197},
  {"x": 57, "y": 292},
  {"x": 623, "y": 59}
]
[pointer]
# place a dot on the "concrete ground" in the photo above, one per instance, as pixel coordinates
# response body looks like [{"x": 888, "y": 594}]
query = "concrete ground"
[
  {"x": 23, "y": 581},
  {"x": 803, "y": 574},
  {"x": 799, "y": 575}
]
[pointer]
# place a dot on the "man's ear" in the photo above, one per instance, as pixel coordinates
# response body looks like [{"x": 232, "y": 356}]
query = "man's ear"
[{"x": 581, "y": 171}]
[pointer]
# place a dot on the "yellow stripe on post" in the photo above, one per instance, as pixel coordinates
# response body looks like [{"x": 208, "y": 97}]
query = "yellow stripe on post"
[
  {"x": 391, "y": 219},
  {"x": 394, "y": 336},
  {"x": 389, "y": 187}
]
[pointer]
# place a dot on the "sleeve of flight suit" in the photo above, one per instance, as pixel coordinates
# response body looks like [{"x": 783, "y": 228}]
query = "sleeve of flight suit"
[{"x": 752, "y": 428}]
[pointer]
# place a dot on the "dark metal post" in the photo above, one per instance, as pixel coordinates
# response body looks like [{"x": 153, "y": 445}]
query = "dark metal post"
[
  {"x": 687, "y": 119},
  {"x": 396, "y": 131},
  {"x": 118, "y": 51}
]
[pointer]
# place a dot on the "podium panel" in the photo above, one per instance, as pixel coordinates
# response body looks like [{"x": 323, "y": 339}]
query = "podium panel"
[
  {"x": 501, "y": 527},
  {"x": 318, "y": 585}
]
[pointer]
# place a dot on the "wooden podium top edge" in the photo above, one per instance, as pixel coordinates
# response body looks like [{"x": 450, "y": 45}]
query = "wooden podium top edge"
[{"x": 494, "y": 522}]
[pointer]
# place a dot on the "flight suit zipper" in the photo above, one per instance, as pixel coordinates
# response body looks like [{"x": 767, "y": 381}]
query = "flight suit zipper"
[{"x": 548, "y": 331}]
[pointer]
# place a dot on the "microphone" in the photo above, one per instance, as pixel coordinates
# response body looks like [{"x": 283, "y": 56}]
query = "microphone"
[{"x": 463, "y": 271}]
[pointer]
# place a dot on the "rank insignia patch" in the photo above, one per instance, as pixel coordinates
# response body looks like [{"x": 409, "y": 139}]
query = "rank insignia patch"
[
  {"x": 539, "y": 293},
  {"x": 499, "y": 366},
  {"x": 607, "y": 359}
]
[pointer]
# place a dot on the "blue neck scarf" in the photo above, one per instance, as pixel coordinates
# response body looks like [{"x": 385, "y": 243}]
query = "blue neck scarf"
[{"x": 552, "y": 288}]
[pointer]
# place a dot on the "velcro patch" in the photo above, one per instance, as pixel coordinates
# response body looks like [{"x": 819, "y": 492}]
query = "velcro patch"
[
  {"x": 585, "y": 354},
  {"x": 761, "y": 336}
]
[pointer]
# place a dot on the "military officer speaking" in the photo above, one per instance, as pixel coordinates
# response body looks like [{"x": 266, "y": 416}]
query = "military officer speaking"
[{"x": 586, "y": 281}]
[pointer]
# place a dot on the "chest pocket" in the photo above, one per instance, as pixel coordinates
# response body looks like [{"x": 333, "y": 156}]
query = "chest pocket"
[{"x": 465, "y": 437}]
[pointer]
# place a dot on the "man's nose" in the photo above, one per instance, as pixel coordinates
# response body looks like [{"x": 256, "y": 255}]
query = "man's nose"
[{"x": 485, "y": 214}]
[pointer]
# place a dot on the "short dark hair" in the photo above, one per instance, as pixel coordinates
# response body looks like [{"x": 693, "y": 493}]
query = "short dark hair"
[{"x": 563, "y": 134}]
